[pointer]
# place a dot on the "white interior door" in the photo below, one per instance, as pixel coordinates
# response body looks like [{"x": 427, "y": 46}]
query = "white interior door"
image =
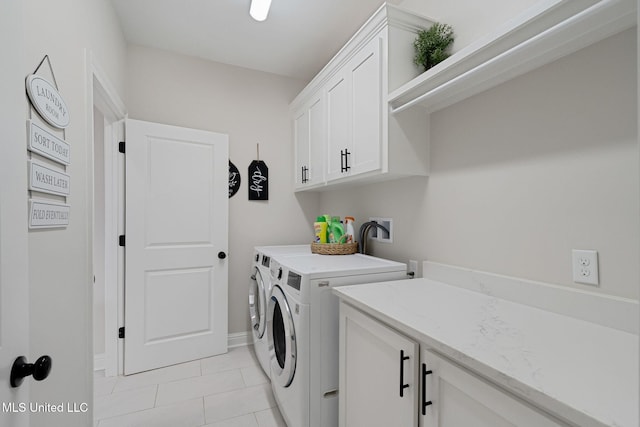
[
  {"x": 14, "y": 303},
  {"x": 176, "y": 242}
]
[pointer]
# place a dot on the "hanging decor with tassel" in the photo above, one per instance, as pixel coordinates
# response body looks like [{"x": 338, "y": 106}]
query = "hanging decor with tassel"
[{"x": 258, "y": 178}]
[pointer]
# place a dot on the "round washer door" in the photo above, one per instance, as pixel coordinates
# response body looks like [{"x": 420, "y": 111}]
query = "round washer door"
[
  {"x": 257, "y": 303},
  {"x": 282, "y": 339}
]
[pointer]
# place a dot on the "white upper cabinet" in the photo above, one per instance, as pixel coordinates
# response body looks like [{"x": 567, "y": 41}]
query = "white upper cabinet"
[
  {"x": 338, "y": 129},
  {"x": 354, "y": 107},
  {"x": 309, "y": 130},
  {"x": 358, "y": 139},
  {"x": 365, "y": 76},
  {"x": 301, "y": 136},
  {"x": 377, "y": 103}
]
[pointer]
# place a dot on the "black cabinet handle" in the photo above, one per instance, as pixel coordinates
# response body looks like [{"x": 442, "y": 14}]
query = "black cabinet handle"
[
  {"x": 222, "y": 255},
  {"x": 344, "y": 160},
  {"x": 425, "y": 403},
  {"x": 305, "y": 177},
  {"x": 402, "y": 384},
  {"x": 20, "y": 369}
]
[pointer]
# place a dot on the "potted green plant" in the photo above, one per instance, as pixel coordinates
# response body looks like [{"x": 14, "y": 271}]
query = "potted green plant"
[{"x": 432, "y": 45}]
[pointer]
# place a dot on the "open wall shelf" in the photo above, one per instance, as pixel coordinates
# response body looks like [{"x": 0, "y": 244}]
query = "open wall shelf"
[{"x": 544, "y": 33}]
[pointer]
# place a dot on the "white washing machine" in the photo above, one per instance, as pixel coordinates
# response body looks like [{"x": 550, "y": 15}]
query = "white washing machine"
[
  {"x": 260, "y": 291},
  {"x": 302, "y": 331}
]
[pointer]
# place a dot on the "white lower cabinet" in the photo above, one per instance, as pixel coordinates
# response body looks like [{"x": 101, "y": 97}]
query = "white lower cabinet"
[
  {"x": 452, "y": 396},
  {"x": 382, "y": 383},
  {"x": 378, "y": 366}
]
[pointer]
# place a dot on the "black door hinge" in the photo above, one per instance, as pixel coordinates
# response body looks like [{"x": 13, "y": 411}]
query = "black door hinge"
[
  {"x": 121, "y": 240},
  {"x": 121, "y": 147},
  {"x": 121, "y": 332}
]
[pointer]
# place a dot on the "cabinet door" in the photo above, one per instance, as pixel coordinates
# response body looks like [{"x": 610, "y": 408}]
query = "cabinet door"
[
  {"x": 317, "y": 141},
  {"x": 338, "y": 125},
  {"x": 301, "y": 137},
  {"x": 459, "y": 398},
  {"x": 309, "y": 137},
  {"x": 375, "y": 363},
  {"x": 365, "y": 71}
]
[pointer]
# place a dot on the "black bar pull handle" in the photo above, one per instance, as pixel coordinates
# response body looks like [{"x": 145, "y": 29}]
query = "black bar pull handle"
[
  {"x": 346, "y": 160},
  {"x": 402, "y": 384},
  {"x": 425, "y": 403}
]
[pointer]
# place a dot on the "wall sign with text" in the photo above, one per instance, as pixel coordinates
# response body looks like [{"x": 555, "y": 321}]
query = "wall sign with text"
[
  {"x": 46, "y": 139},
  {"x": 47, "y": 180},
  {"x": 258, "y": 180},
  {"x": 48, "y": 215},
  {"x": 48, "y": 145},
  {"x": 47, "y": 101},
  {"x": 234, "y": 179}
]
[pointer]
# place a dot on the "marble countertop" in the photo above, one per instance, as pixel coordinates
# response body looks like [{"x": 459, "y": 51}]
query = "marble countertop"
[{"x": 582, "y": 372}]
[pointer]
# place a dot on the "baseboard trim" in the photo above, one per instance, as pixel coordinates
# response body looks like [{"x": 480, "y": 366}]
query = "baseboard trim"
[
  {"x": 98, "y": 362},
  {"x": 238, "y": 339}
]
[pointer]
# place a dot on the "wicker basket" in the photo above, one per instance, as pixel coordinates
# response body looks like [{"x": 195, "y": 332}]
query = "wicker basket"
[{"x": 334, "y": 248}]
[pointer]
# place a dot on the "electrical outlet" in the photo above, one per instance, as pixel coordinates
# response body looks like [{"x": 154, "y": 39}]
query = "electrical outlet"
[
  {"x": 413, "y": 268},
  {"x": 585, "y": 266}
]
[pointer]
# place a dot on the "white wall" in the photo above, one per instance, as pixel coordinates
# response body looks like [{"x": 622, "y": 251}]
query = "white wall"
[
  {"x": 251, "y": 107},
  {"x": 60, "y": 260},
  {"x": 470, "y": 19},
  {"x": 523, "y": 173}
]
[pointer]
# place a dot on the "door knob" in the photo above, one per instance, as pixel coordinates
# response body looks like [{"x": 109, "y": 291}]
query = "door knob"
[
  {"x": 222, "y": 255},
  {"x": 20, "y": 369}
]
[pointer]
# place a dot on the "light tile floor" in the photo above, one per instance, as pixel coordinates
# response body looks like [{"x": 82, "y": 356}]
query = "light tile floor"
[{"x": 229, "y": 390}]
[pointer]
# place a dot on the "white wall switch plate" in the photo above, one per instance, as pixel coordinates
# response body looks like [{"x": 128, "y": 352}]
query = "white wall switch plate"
[{"x": 585, "y": 266}]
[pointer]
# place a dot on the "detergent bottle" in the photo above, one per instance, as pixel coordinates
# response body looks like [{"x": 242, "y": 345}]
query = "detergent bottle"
[
  {"x": 320, "y": 229},
  {"x": 336, "y": 232}
]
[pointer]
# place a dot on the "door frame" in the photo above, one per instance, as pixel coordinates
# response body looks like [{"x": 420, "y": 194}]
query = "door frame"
[{"x": 102, "y": 95}]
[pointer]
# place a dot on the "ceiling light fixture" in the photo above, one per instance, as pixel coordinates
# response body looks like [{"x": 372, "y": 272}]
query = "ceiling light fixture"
[{"x": 259, "y": 9}]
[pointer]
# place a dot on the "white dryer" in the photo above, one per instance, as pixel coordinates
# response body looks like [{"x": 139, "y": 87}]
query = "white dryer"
[
  {"x": 260, "y": 291},
  {"x": 302, "y": 331}
]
